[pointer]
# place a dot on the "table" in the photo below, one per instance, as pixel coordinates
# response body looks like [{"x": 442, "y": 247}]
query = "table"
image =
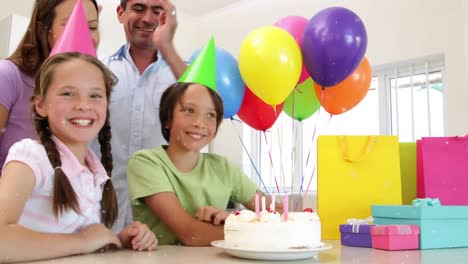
[{"x": 199, "y": 255}]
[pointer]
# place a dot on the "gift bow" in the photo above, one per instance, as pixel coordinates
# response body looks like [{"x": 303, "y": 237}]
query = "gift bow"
[
  {"x": 426, "y": 202},
  {"x": 357, "y": 222}
]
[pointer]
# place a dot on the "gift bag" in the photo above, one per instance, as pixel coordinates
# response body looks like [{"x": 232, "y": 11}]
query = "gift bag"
[
  {"x": 442, "y": 169},
  {"x": 408, "y": 171},
  {"x": 353, "y": 173}
]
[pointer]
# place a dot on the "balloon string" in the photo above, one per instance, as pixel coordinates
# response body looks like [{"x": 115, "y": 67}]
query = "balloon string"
[
  {"x": 248, "y": 155},
  {"x": 298, "y": 90},
  {"x": 293, "y": 164},
  {"x": 313, "y": 137},
  {"x": 315, "y": 165},
  {"x": 310, "y": 180},
  {"x": 322, "y": 95},
  {"x": 271, "y": 161},
  {"x": 310, "y": 149},
  {"x": 281, "y": 155}
]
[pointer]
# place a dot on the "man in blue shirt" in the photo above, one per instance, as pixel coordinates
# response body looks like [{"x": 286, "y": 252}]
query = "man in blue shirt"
[{"x": 145, "y": 66}]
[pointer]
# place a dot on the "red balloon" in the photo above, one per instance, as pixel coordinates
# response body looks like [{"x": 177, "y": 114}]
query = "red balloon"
[{"x": 256, "y": 113}]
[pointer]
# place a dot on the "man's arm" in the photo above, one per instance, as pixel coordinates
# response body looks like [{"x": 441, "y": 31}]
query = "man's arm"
[{"x": 163, "y": 38}]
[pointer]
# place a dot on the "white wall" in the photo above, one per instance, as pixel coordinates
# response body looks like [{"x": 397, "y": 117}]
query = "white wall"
[
  {"x": 397, "y": 30},
  {"x": 19, "y": 7}
]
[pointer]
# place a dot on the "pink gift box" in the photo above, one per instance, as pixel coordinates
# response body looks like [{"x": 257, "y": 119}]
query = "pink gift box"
[{"x": 395, "y": 237}]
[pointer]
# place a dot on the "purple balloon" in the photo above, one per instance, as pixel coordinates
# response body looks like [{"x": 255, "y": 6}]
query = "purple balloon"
[{"x": 334, "y": 44}]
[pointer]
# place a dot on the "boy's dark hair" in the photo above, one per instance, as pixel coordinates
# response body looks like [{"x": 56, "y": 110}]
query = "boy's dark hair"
[
  {"x": 34, "y": 46},
  {"x": 64, "y": 196},
  {"x": 173, "y": 95}
]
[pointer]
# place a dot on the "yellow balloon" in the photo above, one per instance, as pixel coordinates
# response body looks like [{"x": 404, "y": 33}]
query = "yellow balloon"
[{"x": 270, "y": 63}]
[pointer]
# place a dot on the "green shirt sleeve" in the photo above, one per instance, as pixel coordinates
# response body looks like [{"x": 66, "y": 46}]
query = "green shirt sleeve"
[{"x": 145, "y": 176}]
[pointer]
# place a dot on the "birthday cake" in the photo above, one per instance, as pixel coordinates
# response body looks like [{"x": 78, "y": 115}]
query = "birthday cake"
[{"x": 270, "y": 230}]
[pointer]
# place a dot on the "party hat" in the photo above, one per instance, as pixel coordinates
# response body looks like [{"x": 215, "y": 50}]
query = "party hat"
[
  {"x": 76, "y": 35},
  {"x": 203, "y": 68}
]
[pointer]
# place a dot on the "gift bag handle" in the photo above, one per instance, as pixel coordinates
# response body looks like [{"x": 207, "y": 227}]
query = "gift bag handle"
[{"x": 344, "y": 149}]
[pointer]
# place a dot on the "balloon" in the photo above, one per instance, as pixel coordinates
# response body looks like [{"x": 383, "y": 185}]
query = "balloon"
[
  {"x": 302, "y": 102},
  {"x": 334, "y": 44},
  {"x": 270, "y": 63},
  {"x": 347, "y": 94},
  {"x": 229, "y": 83},
  {"x": 256, "y": 113},
  {"x": 295, "y": 25}
]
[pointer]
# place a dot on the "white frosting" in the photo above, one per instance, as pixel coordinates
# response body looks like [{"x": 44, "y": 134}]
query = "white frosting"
[
  {"x": 268, "y": 231},
  {"x": 246, "y": 216},
  {"x": 269, "y": 217}
]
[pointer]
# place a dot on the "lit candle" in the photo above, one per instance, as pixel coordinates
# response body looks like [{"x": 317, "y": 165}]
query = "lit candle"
[{"x": 263, "y": 203}]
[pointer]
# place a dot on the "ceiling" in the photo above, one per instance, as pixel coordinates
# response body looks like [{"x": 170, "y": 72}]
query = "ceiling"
[{"x": 199, "y": 8}]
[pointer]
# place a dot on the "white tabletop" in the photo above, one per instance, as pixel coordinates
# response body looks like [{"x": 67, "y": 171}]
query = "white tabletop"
[{"x": 337, "y": 254}]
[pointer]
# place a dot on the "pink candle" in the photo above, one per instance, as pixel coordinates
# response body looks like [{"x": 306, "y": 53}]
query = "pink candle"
[
  {"x": 285, "y": 207},
  {"x": 257, "y": 204}
]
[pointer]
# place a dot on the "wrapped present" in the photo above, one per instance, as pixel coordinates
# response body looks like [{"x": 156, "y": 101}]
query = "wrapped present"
[
  {"x": 356, "y": 232},
  {"x": 440, "y": 226},
  {"x": 395, "y": 237}
]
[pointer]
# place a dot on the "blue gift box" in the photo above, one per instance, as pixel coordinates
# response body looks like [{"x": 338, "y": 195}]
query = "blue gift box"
[{"x": 440, "y": 226}]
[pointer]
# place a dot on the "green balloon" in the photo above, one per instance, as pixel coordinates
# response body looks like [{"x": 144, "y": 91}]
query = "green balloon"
[{"x": 304, "y": 101}]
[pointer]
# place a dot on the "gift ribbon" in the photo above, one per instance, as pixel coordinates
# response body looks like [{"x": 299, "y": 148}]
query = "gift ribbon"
[
  {"x": 355, "y": 223},
  {"x": 426, "y": 202}
]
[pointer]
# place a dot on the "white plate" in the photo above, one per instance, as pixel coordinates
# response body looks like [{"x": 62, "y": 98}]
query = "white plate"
[{"x": 266, "y": 254}]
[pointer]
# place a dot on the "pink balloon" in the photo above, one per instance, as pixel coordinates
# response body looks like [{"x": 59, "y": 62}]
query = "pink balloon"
[{"x": 295, "y": 25}]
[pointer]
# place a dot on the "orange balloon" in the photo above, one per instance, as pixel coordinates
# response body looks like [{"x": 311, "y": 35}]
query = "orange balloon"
[{"x": 348, "y": 93}]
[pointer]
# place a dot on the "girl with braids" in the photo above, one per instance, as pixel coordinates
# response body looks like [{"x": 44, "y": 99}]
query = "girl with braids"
[
  {"x": 54, "y": 193},
  {"x": 17, "y": 72}
]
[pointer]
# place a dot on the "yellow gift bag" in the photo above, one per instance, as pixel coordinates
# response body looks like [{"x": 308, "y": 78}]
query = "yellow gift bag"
[{"x": 353, "y": 173}]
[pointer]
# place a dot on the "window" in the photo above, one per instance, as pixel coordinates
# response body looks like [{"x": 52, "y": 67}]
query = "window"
[
  {"x": 404, "y": 99},
  {"x": 417, "y": 103}
]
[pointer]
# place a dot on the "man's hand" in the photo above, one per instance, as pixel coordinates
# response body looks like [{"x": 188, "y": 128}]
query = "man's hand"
[{"x": 167, "y": 24}]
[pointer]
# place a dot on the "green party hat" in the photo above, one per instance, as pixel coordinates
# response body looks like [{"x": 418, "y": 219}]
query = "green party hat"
[{"x": 203, "y": 68}]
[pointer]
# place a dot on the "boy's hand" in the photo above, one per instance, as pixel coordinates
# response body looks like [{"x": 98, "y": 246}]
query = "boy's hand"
[
  {"x": 137, "y": 236},
  {"x": 211, "y": 214}
]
